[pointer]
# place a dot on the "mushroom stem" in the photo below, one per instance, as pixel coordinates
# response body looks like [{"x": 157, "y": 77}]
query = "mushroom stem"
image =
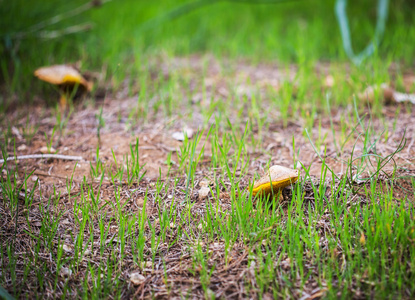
[{"x": 63, "y": 101}]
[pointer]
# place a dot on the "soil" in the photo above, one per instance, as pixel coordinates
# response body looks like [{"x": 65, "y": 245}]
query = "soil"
[{"x": 155, "y": 136}]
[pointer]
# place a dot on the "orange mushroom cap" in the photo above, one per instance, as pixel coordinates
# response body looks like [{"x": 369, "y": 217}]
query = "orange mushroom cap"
[
  {"x": 277, "y": 178},
  {"x": 63, "y": 75}
]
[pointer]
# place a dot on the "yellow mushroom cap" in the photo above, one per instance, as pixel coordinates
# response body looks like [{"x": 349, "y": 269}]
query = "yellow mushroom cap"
[
  {"x": 62, "y": 75},
  {"x": 275, "y": 179}
]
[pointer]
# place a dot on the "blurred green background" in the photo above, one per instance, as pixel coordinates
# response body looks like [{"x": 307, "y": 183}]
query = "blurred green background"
[{"x": 288, "y": 32}]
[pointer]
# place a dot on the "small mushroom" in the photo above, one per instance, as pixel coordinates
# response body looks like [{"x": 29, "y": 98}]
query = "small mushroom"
[
  {"x": 277, "y": 178},
  {"x": 383, "y": 91},
  {"x": 66, "y": 77}
]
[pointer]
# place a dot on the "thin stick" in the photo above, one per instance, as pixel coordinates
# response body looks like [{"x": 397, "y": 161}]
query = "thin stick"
[
  {"x": 58, "y": 18},
  {"x": 34, "y": 156},
  {"x": 53, "y": 34}
]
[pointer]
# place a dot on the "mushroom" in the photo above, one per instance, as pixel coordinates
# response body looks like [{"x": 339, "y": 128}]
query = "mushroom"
[
  {"x": 66, "y": 77},
  {"x": 277, "y": 178}
]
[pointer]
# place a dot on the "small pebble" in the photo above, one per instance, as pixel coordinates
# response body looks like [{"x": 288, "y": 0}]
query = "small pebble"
[
  {"x": 66, "y": 248},
  {"x": 203, "y": 193},
  {"x": 66, "y": 272},
  {"x": 46, "y": 150},
  {"x": 179, "y": 135},
  {"x": 22, "y": 147},
  {"x": 137, "y": 278},
  {"x": 140, "y": 202}
]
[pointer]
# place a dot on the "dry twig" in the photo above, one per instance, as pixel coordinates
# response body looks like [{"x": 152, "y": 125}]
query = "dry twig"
[{"x": 34, "y": 156}]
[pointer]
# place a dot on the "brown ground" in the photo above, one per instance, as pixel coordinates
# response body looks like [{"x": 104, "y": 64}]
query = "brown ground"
[{"x": 155, "y": 142}]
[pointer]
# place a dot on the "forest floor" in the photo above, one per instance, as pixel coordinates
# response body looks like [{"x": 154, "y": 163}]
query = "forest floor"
[{"x": 132, "y": 218}]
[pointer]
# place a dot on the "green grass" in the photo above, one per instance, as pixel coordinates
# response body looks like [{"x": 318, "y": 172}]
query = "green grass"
[
  {"x": 350, "y": 235},
  {"x": 301, "y": 32},
  {"x": 351, "y": 239}
]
